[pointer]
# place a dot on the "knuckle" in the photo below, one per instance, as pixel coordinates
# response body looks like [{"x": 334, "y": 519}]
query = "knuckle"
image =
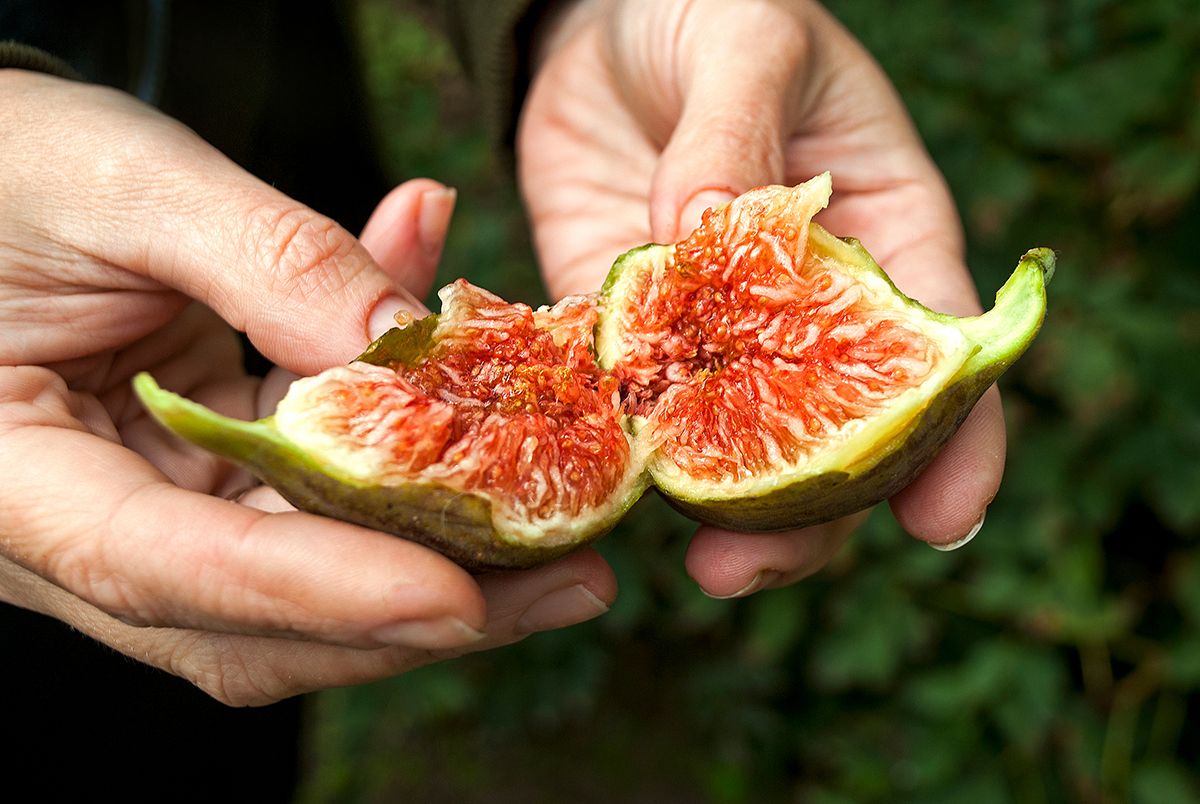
[
  {"x": 306, "y": 255},
  {"x": 142, "y": 163},
  {"x": 742, "y": 130},
  {"x": 740, "y": 139},
  {"x": 32, "y": 396}
]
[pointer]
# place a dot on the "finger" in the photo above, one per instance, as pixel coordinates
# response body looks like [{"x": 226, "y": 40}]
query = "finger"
[
  {"x": 263, "y": 498},
  {"x": 569, "y": 591},
  {"x": 406, "y": 232},
  {"x": 923, "y": 254},
  {"x": 912, "y": 230},
  {"x": 730, "y": 135},
  {"x": 726, "y": 564},
  {"x": 945, "y": 505},
  {"x": 99, "y": 521},
  {"x": 243, "y": 670},
  {"x": 273, "y": 388},
  {"x": 890, "y": 196},
  {"x": 164, "y": 205},
  {"x": 582, "y": 158}
]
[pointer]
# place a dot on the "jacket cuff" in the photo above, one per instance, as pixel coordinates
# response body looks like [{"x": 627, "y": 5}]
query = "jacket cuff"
[
  {"x": 493, "y": 40},
  {"x": 24, "y": 57}
]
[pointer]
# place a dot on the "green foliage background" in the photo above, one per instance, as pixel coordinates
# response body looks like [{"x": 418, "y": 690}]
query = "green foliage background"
[{"x": 1055, "y": 659}]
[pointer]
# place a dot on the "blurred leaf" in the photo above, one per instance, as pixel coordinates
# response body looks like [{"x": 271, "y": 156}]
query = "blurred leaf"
[
  {"x": 1090, "y": 105},
  {"x": 871, "y": 633},
  {"x": 1183, "y": 663},
  {"x": 777, "y": 618},
  {"x": 1162, "y": 783}
]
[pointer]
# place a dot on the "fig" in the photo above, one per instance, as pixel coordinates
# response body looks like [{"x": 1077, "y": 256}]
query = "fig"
[{"x": 762, "y": 374}]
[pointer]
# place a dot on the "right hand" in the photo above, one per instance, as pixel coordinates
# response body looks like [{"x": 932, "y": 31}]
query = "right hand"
[
  {"x": 641, "y": 115},
  {"x": 114, "y": 221}
]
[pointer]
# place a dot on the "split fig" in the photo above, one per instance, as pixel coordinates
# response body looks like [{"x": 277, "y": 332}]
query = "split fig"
[{"x": 762, "y": 374}]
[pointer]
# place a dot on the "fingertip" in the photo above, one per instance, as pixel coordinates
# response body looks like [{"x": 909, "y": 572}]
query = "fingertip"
[
  {"x": 948, "y": 499},
  {"x": 726, "y": 564},
  {"x": 691, "y": 212},
  {"x": 593, "y": 572},
  {"x": 391, "y": 311},
  {"x": 437, "y": 207},
  {"x": 586, "y": 567},
  {"x": 561, "y": 608},
  {"x": 723, "y": 563},
  {"x": 428, "y": 586},
  {"x": 437, "y": 633},
  {"x": 407, "y": 230},
  {"x": 571, "y": 590},
  {"x": 399, "y": 205},
  {"x": 728, "y": 140}
]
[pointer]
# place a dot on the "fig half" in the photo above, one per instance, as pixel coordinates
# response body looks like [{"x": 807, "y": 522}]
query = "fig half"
[
  {"x": 762, "y": 374},
  {"x": 777, "y": 376}
]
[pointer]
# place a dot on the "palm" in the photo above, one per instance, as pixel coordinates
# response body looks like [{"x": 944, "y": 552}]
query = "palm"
[
  {"x": 195, "y": 351},
  {"x": 590, "y": 147},
  {"x": 585, "y": 171}
]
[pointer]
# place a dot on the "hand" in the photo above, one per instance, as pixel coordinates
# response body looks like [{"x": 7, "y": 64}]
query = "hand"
[
  {"x": 642, "y": 115},
  {"x": 113, "y": 219}
]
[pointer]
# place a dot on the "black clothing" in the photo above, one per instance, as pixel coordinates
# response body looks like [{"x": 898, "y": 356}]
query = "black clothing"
[{"x": 273, "y": 85}]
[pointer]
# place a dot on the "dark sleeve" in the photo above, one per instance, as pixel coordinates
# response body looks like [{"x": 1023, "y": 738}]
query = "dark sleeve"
[
  {"x": 24, "y": 57},
  {"x": 492, "y": 39}
]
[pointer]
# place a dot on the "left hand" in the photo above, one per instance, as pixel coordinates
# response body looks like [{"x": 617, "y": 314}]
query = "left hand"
[
  {"x": 641, "y": 115},
  {"x": 126, "y": 244}
]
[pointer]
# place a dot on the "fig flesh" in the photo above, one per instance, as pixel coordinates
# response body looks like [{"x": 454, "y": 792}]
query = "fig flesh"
[{"x": 762, "y": 374}]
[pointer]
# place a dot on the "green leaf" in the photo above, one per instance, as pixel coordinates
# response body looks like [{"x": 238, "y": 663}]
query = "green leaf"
[{"x": 1165, "y": 783}]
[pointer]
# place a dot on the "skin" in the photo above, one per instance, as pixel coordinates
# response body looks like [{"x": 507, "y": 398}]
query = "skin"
[
  {"x": 642, "y": 115},
  {"x": 126, "y": 243}
]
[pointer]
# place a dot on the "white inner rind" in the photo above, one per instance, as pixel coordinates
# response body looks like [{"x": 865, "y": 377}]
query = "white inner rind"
[{"x": 636, "y": 268}]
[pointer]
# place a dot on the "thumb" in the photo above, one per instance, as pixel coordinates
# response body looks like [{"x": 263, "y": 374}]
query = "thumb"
[
  {"x": 406, "y": 232},
  {"x": 161, "y": 204},
  {"x": 730, "y": 134},
  {"x": 304, "y": 290}
]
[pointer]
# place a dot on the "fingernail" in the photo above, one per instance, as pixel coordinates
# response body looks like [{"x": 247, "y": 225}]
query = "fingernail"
[
  {"x": 693, "y": 210},
  {"x": 439, "y": 633},
  {"x": 762, "y": 579},
  {"x": 390, "y": 311},
  {"x": 945, "y": 548},
  {"x": 434, "y": 219},
  {"x": 560, "y": 608}
]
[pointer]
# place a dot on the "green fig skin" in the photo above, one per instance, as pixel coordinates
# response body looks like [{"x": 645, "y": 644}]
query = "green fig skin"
[{"x": 1001, "y": 335}]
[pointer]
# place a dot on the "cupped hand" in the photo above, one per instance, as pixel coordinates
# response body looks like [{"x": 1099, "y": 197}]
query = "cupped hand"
[
  {"x": 642, "y": 115},
  {"x": 128, "y": 244}
]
